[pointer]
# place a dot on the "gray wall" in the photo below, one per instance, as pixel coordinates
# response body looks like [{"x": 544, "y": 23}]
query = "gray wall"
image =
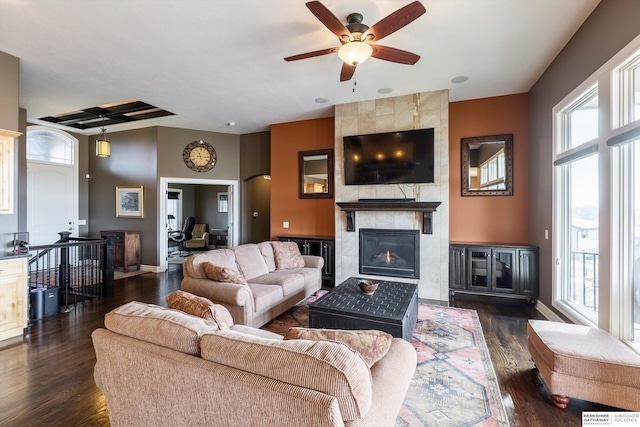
[
  {"x": 611, "y": 26},
  {"x": 132, "y": 164},
  {"x": 255, "y": 159},
  {"x": 141, "y": 157}
]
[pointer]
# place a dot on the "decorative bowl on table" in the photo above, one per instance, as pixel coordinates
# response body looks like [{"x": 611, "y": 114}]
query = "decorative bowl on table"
[{"x": 368, "y": 286}]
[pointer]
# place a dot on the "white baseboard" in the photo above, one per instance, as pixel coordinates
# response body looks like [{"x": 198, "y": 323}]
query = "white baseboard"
[
  {"x": 548, "y": 313},
  {"x": 151, "y": 268}
]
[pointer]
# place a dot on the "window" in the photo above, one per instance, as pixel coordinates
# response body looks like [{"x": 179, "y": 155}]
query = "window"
[
  {"x": 576, "y": 245},
  {"x": 597, "y": 199},
  {"x": 49, "y": 146},
  {"x": 625, "y": 147},
  {"x": 7, "y": 141}
]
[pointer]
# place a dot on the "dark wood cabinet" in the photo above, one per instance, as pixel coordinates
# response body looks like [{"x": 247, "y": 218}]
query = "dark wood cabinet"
[
  {"x": 318, "y": 246},
  {"x": 126, "y": 248},
  {"x": 494, "y": 270}
]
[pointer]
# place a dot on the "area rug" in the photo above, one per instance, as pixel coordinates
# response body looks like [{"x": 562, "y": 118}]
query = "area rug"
[{"x": 454, "y": 385}]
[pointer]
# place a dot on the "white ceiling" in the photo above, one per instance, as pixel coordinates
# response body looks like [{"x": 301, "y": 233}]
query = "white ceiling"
[{"x": 212, "y": 62}]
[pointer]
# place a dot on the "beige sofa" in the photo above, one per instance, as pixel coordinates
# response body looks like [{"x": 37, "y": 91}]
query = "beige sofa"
[
  {"x": 270, "y": 289},
  {"x": 163, "y": 367}
]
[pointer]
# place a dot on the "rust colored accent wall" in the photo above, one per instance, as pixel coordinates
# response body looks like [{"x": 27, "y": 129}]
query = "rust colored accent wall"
[
  {"x": 497, "y": 219},
  {"x": 313, "y": 217}
]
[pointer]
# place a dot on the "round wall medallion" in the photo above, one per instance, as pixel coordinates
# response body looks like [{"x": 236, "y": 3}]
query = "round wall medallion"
[{"x": 199, "y": 156}]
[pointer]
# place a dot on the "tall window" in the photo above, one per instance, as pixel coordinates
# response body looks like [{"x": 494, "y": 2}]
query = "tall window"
[
  {"x": 577, "y": 204},
  {"x": 636, "y": 243},
  {"x": 625, "y": 148}
]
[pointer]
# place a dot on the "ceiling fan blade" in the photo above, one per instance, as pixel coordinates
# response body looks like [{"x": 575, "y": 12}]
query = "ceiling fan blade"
[
  {"x": 398, "y": 19},
  {"x": 311, "y": 54},
  {"x": 347, "y": 72},
  {"x": 394, "y": 55},
  {"x": 329, "y": 20}
]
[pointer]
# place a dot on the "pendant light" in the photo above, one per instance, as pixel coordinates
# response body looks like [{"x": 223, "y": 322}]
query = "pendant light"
[{"x": 103, "y": 146}]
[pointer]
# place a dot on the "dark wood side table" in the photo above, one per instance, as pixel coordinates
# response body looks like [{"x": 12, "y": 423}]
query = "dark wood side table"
[
  {"x": 393, "y": 308},
  {"x": 126, "y": 247}
]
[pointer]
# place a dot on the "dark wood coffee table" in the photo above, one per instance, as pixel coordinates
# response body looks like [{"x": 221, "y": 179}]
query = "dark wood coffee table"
[{"x": 392, "y": 309}]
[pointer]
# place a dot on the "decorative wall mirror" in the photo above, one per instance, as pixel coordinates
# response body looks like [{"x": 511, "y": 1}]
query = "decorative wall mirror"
[
  {"x": 487, "y": 165},
  {"x": 316, "y": 174}
]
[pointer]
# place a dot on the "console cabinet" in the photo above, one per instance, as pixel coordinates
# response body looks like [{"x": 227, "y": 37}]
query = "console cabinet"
[
  {"x": 493, "y": 270},
  {"x": 126, "y": 248},
  {"x": 318, "y": 246}
]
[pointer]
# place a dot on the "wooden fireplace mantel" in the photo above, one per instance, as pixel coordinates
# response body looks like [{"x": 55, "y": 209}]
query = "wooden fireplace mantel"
[{"x": 397, "y": 205}]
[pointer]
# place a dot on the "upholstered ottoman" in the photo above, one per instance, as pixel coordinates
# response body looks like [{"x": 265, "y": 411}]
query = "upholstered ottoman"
[{"x": 584, "y": 363}]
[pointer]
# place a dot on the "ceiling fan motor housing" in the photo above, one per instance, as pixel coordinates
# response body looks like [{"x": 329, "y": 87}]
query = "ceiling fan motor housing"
[{"x": 355, "y": 24}]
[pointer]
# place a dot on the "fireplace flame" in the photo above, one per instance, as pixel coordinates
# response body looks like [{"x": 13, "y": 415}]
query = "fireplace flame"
[{"x": 388, "y": 257}]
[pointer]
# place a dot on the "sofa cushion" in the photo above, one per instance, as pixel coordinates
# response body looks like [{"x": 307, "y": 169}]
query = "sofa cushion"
[
  {"x": 193, "y": 266},
  {"x": 158, "y": 325},
  {"x": 290, "y": 283},
  {"x": 244, "y": 329},
  {"x": 371, "y": 344},
  {"x": 265, "y": 296},
  {"x": 222, "y": 274},
  {"x": 267, "y": 253},
  {"x": 287, "y": 255},
  {"x": 311, "y": 276},
  {"x": 327, "y": 367},
  {"x": 250, "y": 261},
  {"x": 198, "y": 306}
]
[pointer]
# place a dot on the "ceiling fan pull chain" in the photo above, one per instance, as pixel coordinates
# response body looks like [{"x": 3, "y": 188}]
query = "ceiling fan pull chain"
[{"x": 353, "y": 90}]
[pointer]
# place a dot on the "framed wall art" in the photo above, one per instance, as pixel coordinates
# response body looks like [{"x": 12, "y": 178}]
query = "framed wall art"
[
  {"x": 129, "y": 202},
  {"x": 223, "y": 202}
]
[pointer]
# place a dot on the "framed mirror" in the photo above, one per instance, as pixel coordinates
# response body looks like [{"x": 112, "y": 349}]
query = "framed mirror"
[
  {"x": 487, "y": 165},
  {"x": 316, "y": 174}
]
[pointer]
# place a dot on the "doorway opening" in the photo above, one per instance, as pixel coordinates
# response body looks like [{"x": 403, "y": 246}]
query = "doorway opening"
[{"x": 168, "y": 184}]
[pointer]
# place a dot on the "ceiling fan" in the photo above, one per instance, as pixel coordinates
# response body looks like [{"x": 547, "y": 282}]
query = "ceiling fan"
[{"x": 356, "y": 38}]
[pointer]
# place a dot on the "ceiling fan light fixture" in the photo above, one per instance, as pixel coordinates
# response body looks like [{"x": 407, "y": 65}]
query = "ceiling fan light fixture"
[{"x": 355, "y": 52}]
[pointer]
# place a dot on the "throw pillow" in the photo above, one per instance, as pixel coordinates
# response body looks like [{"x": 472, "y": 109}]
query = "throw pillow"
[
  {"x": 372, "y": 345},
  {"x": 196, "y": 306},
  {"x": 287, "y": 255},
  {"x": 222, "y": 274}
]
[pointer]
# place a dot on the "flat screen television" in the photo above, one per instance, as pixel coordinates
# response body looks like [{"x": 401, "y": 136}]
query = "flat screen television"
[{"x": 389, "y": 158}]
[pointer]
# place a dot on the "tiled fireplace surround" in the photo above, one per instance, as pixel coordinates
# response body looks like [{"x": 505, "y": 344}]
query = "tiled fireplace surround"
[{"x": 416, "y": 111}]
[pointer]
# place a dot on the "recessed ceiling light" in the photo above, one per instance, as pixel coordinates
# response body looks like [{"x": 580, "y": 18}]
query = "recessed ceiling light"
[
  {"x": 459, "y": 79},
  {"x": 321, "y": 100},
  {"x": 231, "y": 124},
  {"x": 385, "y": 90}
]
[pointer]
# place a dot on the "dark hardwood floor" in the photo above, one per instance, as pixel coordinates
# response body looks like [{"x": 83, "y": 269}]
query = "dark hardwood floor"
[{"x": 47, "y": 379}]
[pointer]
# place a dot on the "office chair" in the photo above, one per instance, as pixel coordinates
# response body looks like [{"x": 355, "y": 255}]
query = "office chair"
[{"x": 180, "y": 236}]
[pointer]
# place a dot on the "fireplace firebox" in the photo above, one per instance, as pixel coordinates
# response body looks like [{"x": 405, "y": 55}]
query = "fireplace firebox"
[{"x": 394, "y": 253}]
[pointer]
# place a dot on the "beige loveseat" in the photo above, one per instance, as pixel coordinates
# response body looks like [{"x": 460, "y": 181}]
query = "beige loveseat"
[
  {"x": 162, "y": 367},
  {"x": 268, "y": 285}
]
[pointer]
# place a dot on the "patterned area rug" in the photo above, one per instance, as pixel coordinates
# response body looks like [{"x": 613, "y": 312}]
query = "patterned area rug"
[{"x": 454, "y": 384}]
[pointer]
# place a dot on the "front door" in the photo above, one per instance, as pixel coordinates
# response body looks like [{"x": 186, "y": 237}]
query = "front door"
[{"x": 51, "y": 201}]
